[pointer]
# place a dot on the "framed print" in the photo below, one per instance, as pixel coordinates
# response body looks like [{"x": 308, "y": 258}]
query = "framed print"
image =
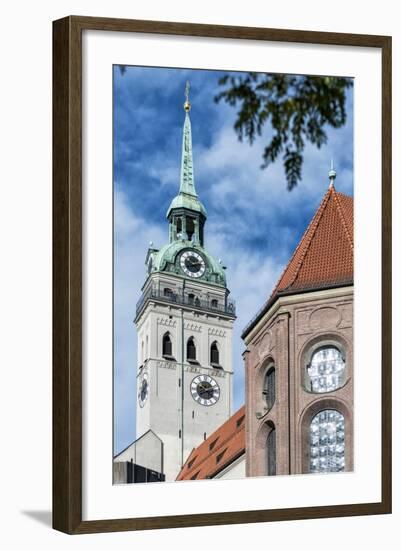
[{"x": 221, "y": 275}]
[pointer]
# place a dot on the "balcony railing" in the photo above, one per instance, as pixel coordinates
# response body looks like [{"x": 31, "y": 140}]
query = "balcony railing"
[{"x": 227, "y": 308}]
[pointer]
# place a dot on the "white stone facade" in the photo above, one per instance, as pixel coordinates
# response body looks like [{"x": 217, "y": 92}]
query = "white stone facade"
[
  {"x": 235, "y": 470},
  {"x": 169, "y": 409},
  {"x": 146, "y": 451}
]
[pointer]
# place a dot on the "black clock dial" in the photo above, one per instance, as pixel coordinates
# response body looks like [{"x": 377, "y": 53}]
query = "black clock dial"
[
  {"x": 144, "y": 390},
  {"x": 205, "y": 390},
  {"x": 192, "y": 264}
]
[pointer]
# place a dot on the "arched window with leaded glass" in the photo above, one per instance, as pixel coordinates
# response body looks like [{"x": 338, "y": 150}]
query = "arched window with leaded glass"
[
  {"x": 271, "y": 451},
  {"x": 327, "y": 442},
  {"x": 325, "y": 371},
  {"x": 269, "y": 387}
]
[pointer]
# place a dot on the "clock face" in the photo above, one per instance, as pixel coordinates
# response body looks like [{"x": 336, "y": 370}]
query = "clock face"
[
  {"x": 205, "y": 390},
  {"x": 192, "y": 264},
  {"x": 143, "y": 390}
]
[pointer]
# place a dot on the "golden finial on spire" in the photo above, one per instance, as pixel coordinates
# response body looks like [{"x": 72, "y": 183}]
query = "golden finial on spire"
[{"x": 187, "y": 105}]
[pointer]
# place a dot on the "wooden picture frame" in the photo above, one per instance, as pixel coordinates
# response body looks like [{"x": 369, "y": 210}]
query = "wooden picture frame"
[{"x": 67, "y": 273}]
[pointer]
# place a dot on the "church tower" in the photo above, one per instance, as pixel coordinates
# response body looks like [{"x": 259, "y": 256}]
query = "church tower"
[{"x": 184, "y": 321}]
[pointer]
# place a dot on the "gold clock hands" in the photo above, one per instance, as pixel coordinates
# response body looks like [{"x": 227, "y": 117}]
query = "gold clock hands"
[
  {"x": 205, "y": 389},
  {"x": 193, "y": 261}
]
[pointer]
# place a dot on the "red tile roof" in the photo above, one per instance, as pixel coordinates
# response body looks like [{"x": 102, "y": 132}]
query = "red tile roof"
[
  {"x": 221, "y": 448},
  {"x": 324, "y": 257}
]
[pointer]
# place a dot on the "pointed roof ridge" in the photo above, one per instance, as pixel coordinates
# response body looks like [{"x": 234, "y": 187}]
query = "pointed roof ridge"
[
  {"x": 348, "y": 231},
  {"x": 324, "y": 256},
  {"x": 313, "y": 225},
  {"x": 308, "y": 237}
]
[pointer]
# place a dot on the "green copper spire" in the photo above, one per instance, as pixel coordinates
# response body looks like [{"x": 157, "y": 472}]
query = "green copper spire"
[
  {"x": 187, "y": 197},
  {"x": 187, "y": 217},
  {"x": 187, "y": 182}
]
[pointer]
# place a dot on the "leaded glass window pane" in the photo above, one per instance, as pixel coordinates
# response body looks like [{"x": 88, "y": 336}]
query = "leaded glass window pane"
[
  {"x": 271, "y": 453},
  {"x": 326, "y": 370},
  {"x": 270, "y": 387},
  {"x": 327, "y": 442}
]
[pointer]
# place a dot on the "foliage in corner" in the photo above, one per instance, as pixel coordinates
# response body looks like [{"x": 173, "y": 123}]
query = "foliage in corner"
[{"x": 297, "y": 107}]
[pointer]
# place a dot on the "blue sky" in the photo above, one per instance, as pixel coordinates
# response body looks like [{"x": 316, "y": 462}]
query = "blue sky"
[{"x": 253, "y": 222}]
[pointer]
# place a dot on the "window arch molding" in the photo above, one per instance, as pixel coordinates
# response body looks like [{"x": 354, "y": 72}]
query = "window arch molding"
[
  {"x": 265, "y": 431},
  {"x": 325, "y": 340},
  {"x": 214, "y": 353},
  {"x": 307, "y": 415},
  {"x": 191, "y": 349},
  {"x": 259, "y": 397},
  {"x": 269, "y": 386},
  {"x": 166, "y": 349}
]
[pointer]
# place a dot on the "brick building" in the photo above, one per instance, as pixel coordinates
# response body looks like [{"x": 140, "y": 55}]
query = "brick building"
[{"x": 299, "y": 360}]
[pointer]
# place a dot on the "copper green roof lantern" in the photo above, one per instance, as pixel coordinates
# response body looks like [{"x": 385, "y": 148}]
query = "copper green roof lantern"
[
  {"x": 187, "y": 196},
  {"x": 187, "y": 217}
]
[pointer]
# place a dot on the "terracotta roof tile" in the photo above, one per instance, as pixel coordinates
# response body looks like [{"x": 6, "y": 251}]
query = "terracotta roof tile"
[
  {"x": 324, "y": 257},
  {"x": 215, "y": 453}
]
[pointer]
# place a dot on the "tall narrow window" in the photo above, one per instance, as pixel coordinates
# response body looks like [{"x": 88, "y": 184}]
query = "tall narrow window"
[
  {"x": 167, "y": 346},
  {"x": 190, "y": 228},
  {"x": 214, "y": 354},
  {"x": 179, "y": 227},
  {"x": 214, "y": 303},
  {"x": 191, "y": 349},
  {"x": 326, "y": 370},
  {"x": 327, "y": 442},
  {"x": 269, "y": 387},
  {"x": 271, "y": 452},
  {"x": 191, "y": 298}
]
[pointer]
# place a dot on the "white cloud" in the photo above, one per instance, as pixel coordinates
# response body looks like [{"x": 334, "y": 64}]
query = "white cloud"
[
  {"x": 250, "y": 280},
  {"x": 132, "y": 236},
  {"x": 251, "y": 276},
  {"x": 231, "y": 171},
  {"x": 246, "y": 201}
]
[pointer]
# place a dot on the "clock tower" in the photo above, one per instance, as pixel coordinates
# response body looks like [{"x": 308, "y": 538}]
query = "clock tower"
[{"x": 184, "y": 321}]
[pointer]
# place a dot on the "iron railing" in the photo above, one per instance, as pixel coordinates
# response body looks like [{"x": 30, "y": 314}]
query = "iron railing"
[{"x": 228, "y": 308}]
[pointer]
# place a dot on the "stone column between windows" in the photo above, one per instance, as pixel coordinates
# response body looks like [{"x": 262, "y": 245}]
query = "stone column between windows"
[
  {"x": 184, "y": 228},
  {"x": 196, "y": 231},
  {"x": 283, "y": 395}
]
